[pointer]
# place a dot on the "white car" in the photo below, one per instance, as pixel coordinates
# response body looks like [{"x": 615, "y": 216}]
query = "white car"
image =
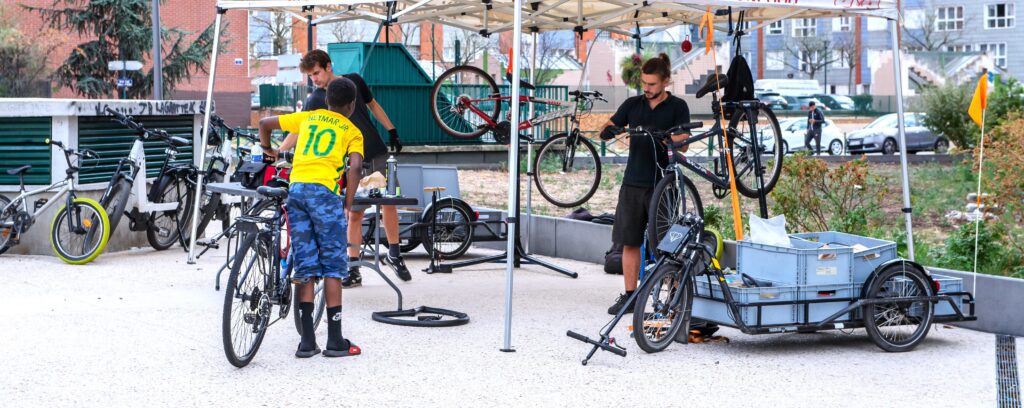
[{"x": 833, "y": 140}]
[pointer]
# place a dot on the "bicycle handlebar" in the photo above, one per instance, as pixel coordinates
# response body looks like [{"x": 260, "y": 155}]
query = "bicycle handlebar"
[
  {"x": 160, "y": 134},
  {"x": 587, "y": 94}
]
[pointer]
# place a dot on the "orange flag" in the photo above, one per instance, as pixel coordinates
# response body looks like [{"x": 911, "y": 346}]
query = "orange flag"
[
  {"x": 708, "y": 21},
  {"x": 980, "y": 101}
]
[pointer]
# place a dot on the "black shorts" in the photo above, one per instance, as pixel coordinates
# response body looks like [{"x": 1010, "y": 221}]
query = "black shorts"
[{"x": 631, "y": 215}]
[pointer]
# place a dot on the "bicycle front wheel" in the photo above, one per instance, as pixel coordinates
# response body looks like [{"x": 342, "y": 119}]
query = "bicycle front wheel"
[
  {"x": 79, "y": 232},
  {"x": 209, "y": 203},
  {"x": 7, "y": 231},
  {"x": 163, "y": 230},
  {"x": 246, "y": 299},
  {"x": 116, "y": 200},
  {"x": 463, "y": 100},
  {"x": 751, "y": 179},
  {"x": 567, "y": 170},
  {"x": 662, "y": 308},
  {"x": 670, "y": 201},
  {"x": 450, "y": 233}
]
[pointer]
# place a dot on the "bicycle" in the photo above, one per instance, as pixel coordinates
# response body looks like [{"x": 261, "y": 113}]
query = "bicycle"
[
  {"x": 159, "y": 212},
  {"x": 80, "y": 229},
  {"x": 465, "y": 102},
  {"x": 756, "y": 174}
]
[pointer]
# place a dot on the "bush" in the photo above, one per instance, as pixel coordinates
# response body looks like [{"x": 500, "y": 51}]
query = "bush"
[
  {"x": 862, "y": 103},
  {"x": 1005, "y": 99},
  {"x": 631, "y": 70},
  {"x": 1005, "y": 164},
  {"x": 946, "y": 107},
  {"x": 815, "y": 197},
  {"x": 993, "y": 257}
]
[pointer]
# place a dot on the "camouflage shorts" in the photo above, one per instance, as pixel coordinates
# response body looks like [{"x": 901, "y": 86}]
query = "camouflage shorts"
[{"x": 317, "y": 225}]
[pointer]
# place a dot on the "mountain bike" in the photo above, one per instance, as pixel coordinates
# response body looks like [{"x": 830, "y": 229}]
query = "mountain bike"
[
  {"x": 466, "y": 102},
  {"x": 80, "y": 229},
  {"x": 162, "y": 210}
]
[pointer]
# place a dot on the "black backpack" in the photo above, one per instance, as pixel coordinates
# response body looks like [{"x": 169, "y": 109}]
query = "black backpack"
[
  {"x": 613, "y": 260},
  {"x": 739, "y": 85}
]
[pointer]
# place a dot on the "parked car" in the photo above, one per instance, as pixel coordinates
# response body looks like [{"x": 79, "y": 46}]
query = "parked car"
[
  {"x": 773, "y": 100},
  {"x": 882, "y": 135},
  {"x": 833, "y": 140},
  {"x": 802, "y": 103},
  {"x": 840, "y": 102}
]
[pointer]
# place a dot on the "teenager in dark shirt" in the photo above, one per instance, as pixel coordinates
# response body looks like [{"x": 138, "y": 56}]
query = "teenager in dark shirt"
[
  {"x": 815, "y": 120},
  {"x": 655, "y": 109},
  {"x": 317, "y": 64}
]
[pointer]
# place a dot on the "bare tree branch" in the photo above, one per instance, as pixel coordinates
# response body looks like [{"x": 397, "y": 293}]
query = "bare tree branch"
[{"x": 812, "y": 54}]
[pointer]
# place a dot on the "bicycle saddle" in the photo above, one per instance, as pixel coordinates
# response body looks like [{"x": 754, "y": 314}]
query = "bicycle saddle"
[
  {"x": 272, "y": 192},
  {"x": 522, "y": 82},
  {"x": 712, "y": 84},
  {"x": 19, "y": 170}
]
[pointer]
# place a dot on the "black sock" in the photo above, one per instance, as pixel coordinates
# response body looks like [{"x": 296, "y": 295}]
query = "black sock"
[
  {"x": 334, "y": 339},
  {"x": 394, "y": 250},
  {"x": 352, "y": 260},
  {"x": 629, "y": 293},
  {"x": 308, "y": 341}
]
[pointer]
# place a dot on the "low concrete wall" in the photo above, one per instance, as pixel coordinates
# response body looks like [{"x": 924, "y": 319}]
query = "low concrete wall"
[{"x": 999, "y": 301}]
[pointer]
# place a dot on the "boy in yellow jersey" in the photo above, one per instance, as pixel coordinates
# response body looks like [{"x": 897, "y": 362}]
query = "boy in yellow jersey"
[{"x": 316, "y": 213}]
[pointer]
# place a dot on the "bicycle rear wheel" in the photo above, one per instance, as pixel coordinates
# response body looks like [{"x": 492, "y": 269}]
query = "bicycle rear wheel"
[
  {"x": 247, "y": 304},
  {"x": 163, "y": 229},
  {"x": 669, "y": 202},
  {"x": 115, "y": 201},
  {"x": 6, "y": 218},
  {"x": 656, "y": 318},
  {"x": 742, "y": 149},
  {"x": 455, "y": 92},
  {"x": 567, "y": 170},
  {"x": 79, "y": 232},
  {"x": 319, "y": 305},
  {"x": 209, "y": 203}
]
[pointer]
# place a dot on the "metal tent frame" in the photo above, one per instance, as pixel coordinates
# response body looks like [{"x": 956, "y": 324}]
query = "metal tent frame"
[{"x": 616, "y": 16}]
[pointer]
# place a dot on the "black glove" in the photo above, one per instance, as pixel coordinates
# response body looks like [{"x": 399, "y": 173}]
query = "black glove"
[
  {"x": 396, "y": 145},
  {"x": 609, "y": 132}
]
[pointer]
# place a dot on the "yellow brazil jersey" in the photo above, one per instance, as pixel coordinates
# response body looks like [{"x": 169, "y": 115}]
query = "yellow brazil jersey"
[{"x": 325, "y": 140}]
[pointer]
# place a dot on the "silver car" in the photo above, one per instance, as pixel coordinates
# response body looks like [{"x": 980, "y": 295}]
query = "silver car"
[{"x": 882, "y": 136}]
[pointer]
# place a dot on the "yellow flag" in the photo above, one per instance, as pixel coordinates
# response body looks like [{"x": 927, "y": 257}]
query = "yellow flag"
[{"x": 980, "y": 101}]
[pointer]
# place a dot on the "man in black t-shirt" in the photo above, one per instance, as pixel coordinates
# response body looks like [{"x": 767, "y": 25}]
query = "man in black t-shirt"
[
  {"x": 655, "y": 109},
  {"x": 317, "y": 64},
  {"x": 815, "y": 120}
]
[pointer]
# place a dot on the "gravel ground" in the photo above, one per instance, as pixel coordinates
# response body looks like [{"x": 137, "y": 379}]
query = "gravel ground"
[{"x": 144, "y": 328}]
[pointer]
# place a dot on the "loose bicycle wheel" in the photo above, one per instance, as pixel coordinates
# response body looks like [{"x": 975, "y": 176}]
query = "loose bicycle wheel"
[
  {"x": 79, "y": 232},
  {"x": 671, "y": 200},
  {"x": 116, "y": 200},
  {"x": 742, "y": 149},
  {"x": 6, "y": 218},
  {"x": 246, "y": 299},
  {"x": 163, "y": 230},
  {"x": 662, "y": 308},
  {"x": 452, "y": 232},
  {"x": 461, "y": 99},
  {"x": 567, "y": 170},
  {"x": 900, "y": 325}
]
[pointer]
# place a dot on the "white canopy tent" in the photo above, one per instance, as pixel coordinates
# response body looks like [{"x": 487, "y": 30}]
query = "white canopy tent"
[{"x": 616, "y": 16}]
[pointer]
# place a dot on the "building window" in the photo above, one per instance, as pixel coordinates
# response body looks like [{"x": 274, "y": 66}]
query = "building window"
[
  {"x": 806, "y": 60},
  {"x": 999, "y": 15},
  {"x": 775, "y": 28},
  {"x": 949, "y": 18},
  {"x": 841, "y": 24},
  {"x": 775, "y": 60},
  {"x": 995, "y": 50},
  {"x": 959, "y": 48},
  {"x": 805, "y": 27}
]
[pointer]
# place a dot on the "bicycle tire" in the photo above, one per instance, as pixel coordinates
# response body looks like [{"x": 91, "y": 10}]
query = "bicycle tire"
[
  {"x": 662, "y": 211},
  {"x": 6, "y": 234},
  {"x": 549, "y": 153},
  {"x": 653, "y": 322},
  {"x": 319, "y": 305},
  {"x": 742, "y": 157},
  {"x": 171, "y": 189},
  {"x": 208, "y": 206},
  {"x": 908, "y": 281},
  {"x": 252, "y": 304},
  {"x": 92, "y": 246},
  {"x": 454, "y": 228},
  {"x": 116, "y": 200},
  {"x": 462, "y": 126}
]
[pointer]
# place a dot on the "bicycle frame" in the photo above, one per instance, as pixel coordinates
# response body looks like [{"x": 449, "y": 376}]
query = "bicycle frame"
[
  {"x": 62, "y": 187},
  {"x": 530, "y": 122}
]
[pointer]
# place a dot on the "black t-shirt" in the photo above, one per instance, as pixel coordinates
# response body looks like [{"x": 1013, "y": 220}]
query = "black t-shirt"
[
  {"x": 818, "y": 117},
  {"x": 641, "y": 168},
  {"x": 373, "y": 145}
]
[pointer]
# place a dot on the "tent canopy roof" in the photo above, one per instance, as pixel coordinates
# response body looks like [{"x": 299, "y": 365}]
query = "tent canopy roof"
[{"x": 621, "y": 16}]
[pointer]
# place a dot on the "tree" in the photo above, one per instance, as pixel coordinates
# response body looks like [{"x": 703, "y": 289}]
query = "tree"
[
  {"x": 350, "y": 31},
  {"x": 553, "y": 50},
  {"x": 928, "y": 37},
  {"x": 122, "y": 30},
  {"x": 846, "y": 52},
  {"x": 946, "y": 107},
  {"x": 25, "y": 71},
  {"x": 811, "y": 54},
  {"x": 273, "y": 28},
  {"x": 471, "y": 45}
]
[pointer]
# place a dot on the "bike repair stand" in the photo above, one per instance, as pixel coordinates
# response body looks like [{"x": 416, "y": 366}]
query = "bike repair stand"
[
  {"x": 433, "y": 317},
  {"x": 519, "y": 256},
  {"x": 435, "y": 262}
]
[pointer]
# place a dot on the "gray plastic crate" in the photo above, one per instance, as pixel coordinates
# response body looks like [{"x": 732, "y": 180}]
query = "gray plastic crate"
[
  {"x": 803, "y": 264},
  {"x": 878, "y": 251},
  {"x": 817, "y": 312},
  {"x": 949, "y": 284},
  {"x": 413, "y": 178},
  {"x": 718, "y": 311}
]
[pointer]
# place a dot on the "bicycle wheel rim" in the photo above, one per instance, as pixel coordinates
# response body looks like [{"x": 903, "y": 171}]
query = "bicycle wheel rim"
[
  {"x": 450, "y": 234},
  {"x": 6, "y": 234},
  {"x": 448, "y": 100},
  {"x": 741, "y": 148},
  {"x": 669, "y": 204},
  {"x": 567, "y": 176},
  {"x": 656, "y": 319},
  {"x": 75, "y": 244},
  {"x": 163, "y": 225},
  {"x": 246, "y": 306},
  {"x": 900, "y": 325}
]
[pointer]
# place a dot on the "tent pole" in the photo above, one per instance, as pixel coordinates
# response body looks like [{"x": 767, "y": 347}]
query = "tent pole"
[
  {"x": 513, "y": 174},
  {"x": 199, "y": 159},
  {"x": 898, "y": 71},
  {"x": 529, "y": 146}
]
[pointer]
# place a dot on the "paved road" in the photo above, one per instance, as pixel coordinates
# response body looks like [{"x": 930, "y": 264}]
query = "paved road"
[{"x": 143, "y": 328}]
